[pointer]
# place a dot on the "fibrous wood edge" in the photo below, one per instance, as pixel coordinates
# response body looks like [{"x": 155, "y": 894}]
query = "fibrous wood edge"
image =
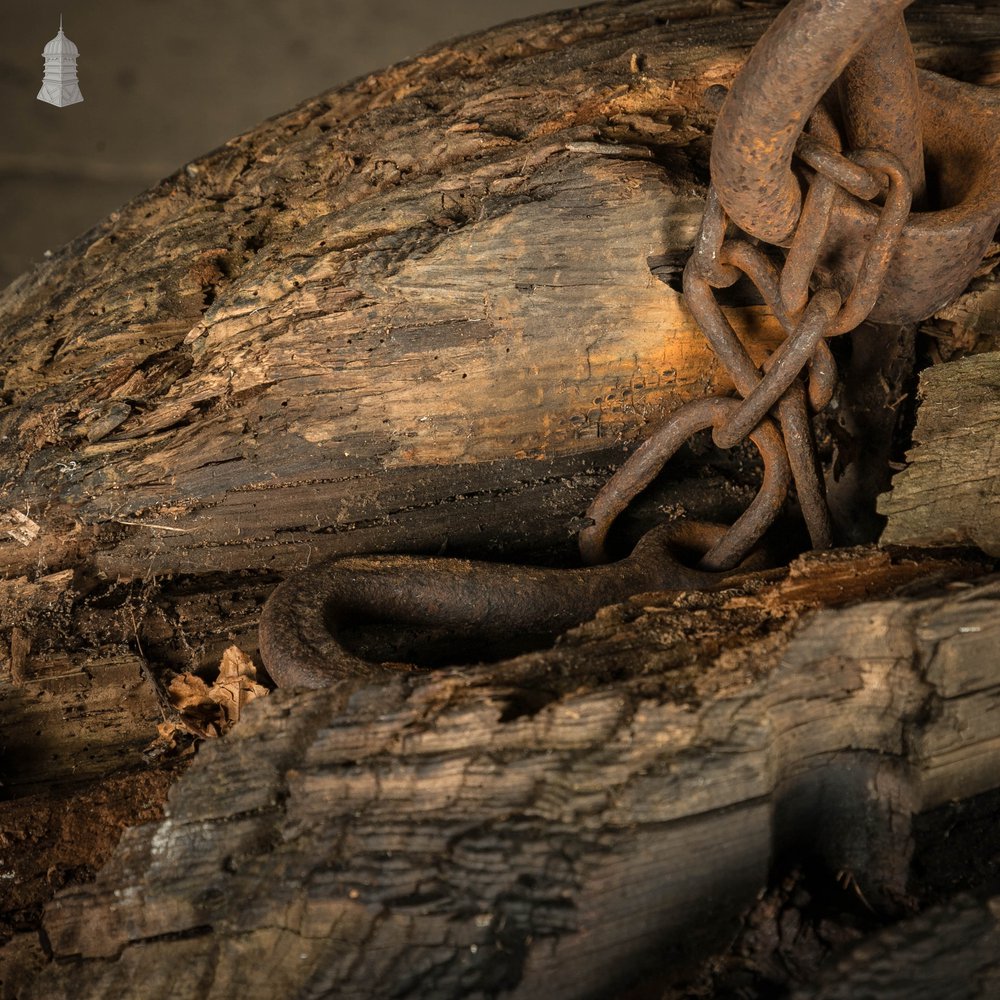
[
  {"x": 949, "y": 493},
  {"x": 83, "y": 672},
  {"x": 356, "y": 312},
  {"x": 552, "y": 825}
]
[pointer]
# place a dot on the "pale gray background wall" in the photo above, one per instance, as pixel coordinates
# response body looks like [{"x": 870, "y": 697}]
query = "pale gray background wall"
[{"x": 166, "y": 80}]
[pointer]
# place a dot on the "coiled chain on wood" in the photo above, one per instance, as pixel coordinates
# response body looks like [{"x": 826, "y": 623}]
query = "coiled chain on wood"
[{"x": 808, "y": 320}]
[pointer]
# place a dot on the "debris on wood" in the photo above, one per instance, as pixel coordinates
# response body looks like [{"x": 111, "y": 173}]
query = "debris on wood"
[
  {"x": 209, "y": 711},
  {"x": 19, "y": 526}
]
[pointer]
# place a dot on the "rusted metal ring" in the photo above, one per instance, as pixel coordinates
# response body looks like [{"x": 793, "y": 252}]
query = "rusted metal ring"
[
  {"x": 739, "y": 255},
  {"x": 302, "y": 622},
  {"x": 822, "y": 376},
  {"x": 796, "y": 431},
  {"x": 791, "y": 67},
  {"x": 645, "y": 463},
  {"x": 888, "y": 230},
  {"x": 807, "y": 244},
  {"x": 737, "y": 362},
  {"x": 814, "y": 223},
  {"x": 831, "y": 164},
  {"x": 709, "y": 242},
  {"x": 763, "y": 115},
  {"x": 939, "y": 250},
  {"x": 761, "y": 271}
]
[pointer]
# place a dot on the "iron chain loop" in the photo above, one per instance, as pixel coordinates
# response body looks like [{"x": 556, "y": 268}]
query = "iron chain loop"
[{"x": 718, "y": 261}]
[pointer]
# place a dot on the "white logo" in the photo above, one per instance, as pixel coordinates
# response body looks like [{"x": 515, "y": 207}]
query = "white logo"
[{"x": 59, "y": 85}]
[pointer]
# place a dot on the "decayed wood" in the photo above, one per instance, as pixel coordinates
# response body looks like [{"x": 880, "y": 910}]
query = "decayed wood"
[
  {"x": 60, "y": 836},
  {"x": 75, "y": 719},
  {"x": 77, "y": 708},
  {"x": 445, "y": 263},
  {"x": 267, "y": 358},
  {"x": 69, "y": 714},
  {"x": 79, "y": 714},
  {"x": 559, "y": 822},
  {"x": 949, "y": 493},
  {"x": 419, "y": 310}
]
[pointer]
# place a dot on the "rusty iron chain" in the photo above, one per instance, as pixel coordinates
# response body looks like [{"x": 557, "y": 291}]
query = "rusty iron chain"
[
  {"x": 864, "y": 258},
  {"x": 717, "y": 261}
]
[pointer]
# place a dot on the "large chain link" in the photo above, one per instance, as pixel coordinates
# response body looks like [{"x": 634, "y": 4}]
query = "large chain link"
[{"x": 801, "y": 375}]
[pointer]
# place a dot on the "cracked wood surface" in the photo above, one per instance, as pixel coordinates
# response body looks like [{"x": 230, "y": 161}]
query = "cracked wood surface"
[
  {"x": 412, "y": 311},
  {"x": 558, "y": 823},
  {"x": 949, "y": 492}
]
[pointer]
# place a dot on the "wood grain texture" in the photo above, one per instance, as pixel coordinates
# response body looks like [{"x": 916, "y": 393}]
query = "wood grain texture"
[
  {"x": 418, "y": 305},
  {"x": 69, "y": 714},
  {"x": 558, "y": 823},
  {"x": 949, "y": 493},
  {"x": 260, "y": 363}
]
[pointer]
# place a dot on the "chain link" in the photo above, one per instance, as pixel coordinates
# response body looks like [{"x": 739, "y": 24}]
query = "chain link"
[{"x": 801, "y": 373}]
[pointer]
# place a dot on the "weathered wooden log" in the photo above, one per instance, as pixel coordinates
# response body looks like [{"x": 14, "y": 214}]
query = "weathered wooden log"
[
  {"x": 413, "y": 311},
  {"x": 949, "y": 493},
  {"x": 82, "y": 675},
  {"x": 66, "y": 718},
  {"x": 558, "y": 823},
  {"x": 77, "y": 709},
  {"x": 261, "y": 363},
  {"x": 71, "y": 696}
]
